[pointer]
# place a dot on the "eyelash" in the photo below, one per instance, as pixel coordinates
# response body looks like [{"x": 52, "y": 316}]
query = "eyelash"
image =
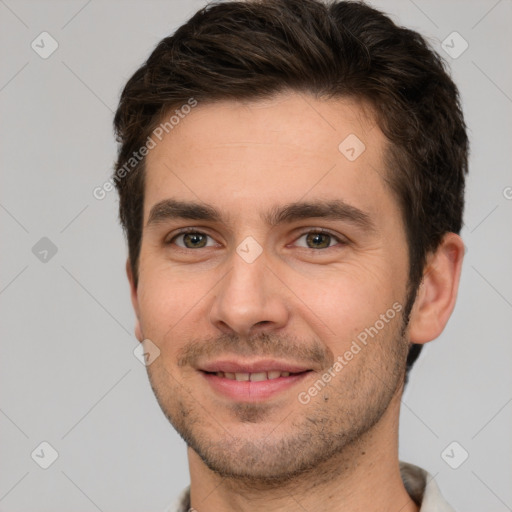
[
  {"x": 321, "y": 231},
  {"x": 185, "y": 231},
  {"x": 318, "y": 231}
]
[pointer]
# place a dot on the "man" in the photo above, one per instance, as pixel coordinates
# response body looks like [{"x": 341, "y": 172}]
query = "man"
[{"x": 291, "y": 179}]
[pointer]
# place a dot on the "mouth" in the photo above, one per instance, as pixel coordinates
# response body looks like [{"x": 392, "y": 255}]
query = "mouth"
[
  {"x": 252, "y": 382},
  {"x": 253, "y": 377}
]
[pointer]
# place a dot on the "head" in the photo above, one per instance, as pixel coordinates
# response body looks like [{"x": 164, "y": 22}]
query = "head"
[{"x": 237, "y": 123}]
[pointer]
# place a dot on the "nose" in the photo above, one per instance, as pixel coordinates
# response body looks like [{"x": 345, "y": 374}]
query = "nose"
[{"x": 250, "y": 299}]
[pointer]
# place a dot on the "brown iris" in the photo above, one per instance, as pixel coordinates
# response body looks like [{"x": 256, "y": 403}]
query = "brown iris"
[
  {"x": 318, "y": 240},
  {"x": 194, "y": 240}
]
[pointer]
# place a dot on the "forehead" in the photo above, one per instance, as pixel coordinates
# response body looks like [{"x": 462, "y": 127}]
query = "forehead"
[{"x": 246, "y": 155}]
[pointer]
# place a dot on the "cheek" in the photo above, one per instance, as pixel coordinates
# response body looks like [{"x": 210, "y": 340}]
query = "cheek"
[
  {"x": 165, "y": 300},
  {"x": 344, "y": 302}
]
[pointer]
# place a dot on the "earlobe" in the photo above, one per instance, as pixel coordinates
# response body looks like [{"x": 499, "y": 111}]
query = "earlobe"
[
  {"x": 437, "y": 293},
  {"x": 135, "y": 301}
]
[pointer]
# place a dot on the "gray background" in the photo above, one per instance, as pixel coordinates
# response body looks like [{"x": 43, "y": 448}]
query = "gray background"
[{"x": 68, "y": 373}]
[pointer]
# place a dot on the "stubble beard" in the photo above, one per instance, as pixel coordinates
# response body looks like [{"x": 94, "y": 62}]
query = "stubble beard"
[{"x": 327, "y": 431}]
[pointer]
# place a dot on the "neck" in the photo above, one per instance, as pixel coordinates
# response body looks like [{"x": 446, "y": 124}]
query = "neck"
[{"x": 364, "y": 477}]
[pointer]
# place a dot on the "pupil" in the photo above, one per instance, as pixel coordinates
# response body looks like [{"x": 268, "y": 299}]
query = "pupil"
[
  {"x": 318, "y": 240},
  {"x": 194, "y": 240}
]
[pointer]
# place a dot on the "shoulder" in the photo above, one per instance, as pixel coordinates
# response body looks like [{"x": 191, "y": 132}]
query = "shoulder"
[
  {"x": 423, "y": 489},
  {"x": 181, "y": 503}
]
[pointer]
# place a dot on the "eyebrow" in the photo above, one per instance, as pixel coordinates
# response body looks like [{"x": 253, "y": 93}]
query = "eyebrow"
[
  {"x": 329, "y": 210},
  {"x": 171, "y": 209}
]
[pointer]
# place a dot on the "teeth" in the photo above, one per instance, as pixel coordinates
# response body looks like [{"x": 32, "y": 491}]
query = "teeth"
[
  {"x": 258, "y": 376},
  {"x": 253, "y": 377}
]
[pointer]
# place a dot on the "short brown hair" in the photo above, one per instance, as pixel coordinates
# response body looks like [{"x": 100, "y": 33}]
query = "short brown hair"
[{"x": 243, "y": 50}]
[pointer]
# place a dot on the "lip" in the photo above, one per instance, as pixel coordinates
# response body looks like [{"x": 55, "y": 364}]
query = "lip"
[
  {"x": 261, "y": 365},
  {"x": 252, "y": 391}
]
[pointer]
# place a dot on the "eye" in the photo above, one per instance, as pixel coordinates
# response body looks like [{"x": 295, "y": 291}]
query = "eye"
[
  {"x": 318, "y": 240},
  {"x": 192, "y": 240}
]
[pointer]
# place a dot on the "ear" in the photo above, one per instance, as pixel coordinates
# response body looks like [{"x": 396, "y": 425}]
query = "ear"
[
  {"x": 135, "y": 300},
  {"x": 437, "y": 292}
]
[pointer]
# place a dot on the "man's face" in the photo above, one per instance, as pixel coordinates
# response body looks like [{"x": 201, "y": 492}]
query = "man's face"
[{"x": 292, "y": 251}]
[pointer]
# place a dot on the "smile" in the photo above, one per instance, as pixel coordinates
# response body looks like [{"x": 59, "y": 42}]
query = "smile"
[
  {"x": 252, "y": 386},
  {"x": 253, "y": 377}
]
